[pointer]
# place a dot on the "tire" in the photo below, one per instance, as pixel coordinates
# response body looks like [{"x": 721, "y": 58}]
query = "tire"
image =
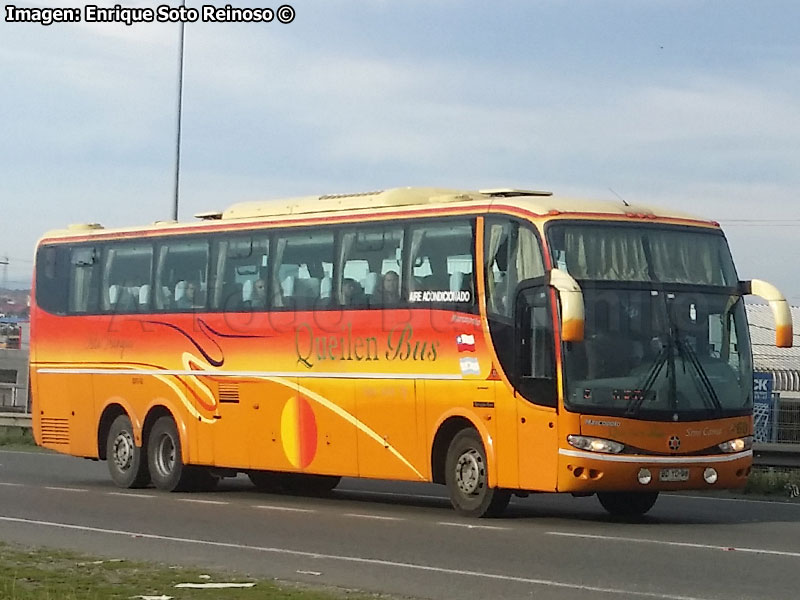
[
  {"x": 166, "y": 465},
  {"x": 467, "y": 478},
  {"x": 127, "y": 462},
  {"x": 627, "y": 504}
]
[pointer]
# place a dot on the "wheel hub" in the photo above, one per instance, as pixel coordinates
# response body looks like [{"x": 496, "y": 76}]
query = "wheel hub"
[
  {"x": 470, "y": 473},
  {"x": 165, "y": 456},
  {"x": 123, "y": 450}
]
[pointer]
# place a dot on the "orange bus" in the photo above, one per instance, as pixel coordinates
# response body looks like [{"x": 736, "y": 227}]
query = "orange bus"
[{"x": 498, "y": 342}]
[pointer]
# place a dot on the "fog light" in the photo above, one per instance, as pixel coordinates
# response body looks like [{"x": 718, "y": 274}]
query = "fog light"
[
  {"x": 644, "y": 476},
  {"x": 710, "y": 475}
]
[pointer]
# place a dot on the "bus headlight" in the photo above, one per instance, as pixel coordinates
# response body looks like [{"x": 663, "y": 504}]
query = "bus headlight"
[
  {"x": 593, "y": 444},
  {"x": 737, "y": 445}
]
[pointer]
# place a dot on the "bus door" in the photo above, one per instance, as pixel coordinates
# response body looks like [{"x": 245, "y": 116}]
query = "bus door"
[{"x": 535, "y": 388}]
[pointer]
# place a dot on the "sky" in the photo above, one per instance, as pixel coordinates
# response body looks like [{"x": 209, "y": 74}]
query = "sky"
[{"x": 690, "y": 105}]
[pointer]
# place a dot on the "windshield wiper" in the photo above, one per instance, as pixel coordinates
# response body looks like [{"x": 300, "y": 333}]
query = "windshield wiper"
[
  {"x": 639, "y": 395},
  {"x": 710, "y": 397},
  {"x": 665, "y": 356}
]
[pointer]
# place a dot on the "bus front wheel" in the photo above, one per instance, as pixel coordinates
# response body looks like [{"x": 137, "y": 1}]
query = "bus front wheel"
[
  {"x": 627, "y": 504},
  {"x": 127, "y": 463},
  {"x": 166, "y": 465},
  {"x": 467, "y": 478}
]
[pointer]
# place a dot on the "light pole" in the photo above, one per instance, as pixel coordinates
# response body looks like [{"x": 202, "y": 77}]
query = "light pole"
[{"x": 180, "y": 107}]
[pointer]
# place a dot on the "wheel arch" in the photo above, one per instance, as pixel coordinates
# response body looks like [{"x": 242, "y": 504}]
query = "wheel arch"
[
  {"x": 446, "y": 430},
  {"x": 110, "y": 412}
]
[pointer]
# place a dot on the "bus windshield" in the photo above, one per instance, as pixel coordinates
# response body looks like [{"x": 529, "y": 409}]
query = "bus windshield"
[
  {"x": 626, "y": 252},
  {"x": 665, "y": 328},
  {"x": 653, "y": 354}
]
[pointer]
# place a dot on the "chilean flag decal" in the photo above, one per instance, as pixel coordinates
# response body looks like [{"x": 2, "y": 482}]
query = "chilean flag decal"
[{"x": 466, "y": 342}]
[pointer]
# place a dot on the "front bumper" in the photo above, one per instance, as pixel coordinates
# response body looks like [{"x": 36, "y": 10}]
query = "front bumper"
[{"x": 581, "y": 472}]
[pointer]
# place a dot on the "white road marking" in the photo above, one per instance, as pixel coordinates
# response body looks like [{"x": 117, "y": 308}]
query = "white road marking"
[
  {"x": 357, "y": 559},
  {"x": 468, "y": 526},
  {"x": 285, "y": 508},
  {"x": 129, "y": 495},
  {"x": 64, "y": 489},
  {"x": 376, "y": 517},
  {"x": 745, "y": 500},
  {"x": 607, "y": 538},
  {"x": 199, "y": 501},
  {"x": 392, "y": 494},
  {"x": 309, "y": 572},
  {"x": 12, "y": 484}
]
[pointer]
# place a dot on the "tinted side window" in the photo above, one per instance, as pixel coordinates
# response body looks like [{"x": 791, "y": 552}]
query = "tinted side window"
[
  {"x": 84, "y": 280},
  {"x": 241, "y": 273},
  {"x": 302, "y": 270},
  {"x": 181, "y": 275},
  {"x": 371, "y": 260},
  {"x": 512, "y": 254},
  {"x": 441, "y": 264},
  {"x": 52, "y": 278},
  {"x": 126, "y": 273}
]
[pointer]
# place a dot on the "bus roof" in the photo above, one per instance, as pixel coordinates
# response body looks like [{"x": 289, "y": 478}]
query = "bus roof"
[{"x": 398, "y": 199}]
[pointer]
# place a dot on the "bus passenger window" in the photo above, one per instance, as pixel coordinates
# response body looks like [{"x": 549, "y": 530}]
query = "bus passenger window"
[
  {"x": 302, "y": 269},
  {"x": 84, "y": 281},
  {"x": 126, "y": 268},
  {"x": 181, "y": 275},
  {"x": 240, "y": 276},
  {"x": 442, "y": 264},
  {"x": 371, "y": 274}
]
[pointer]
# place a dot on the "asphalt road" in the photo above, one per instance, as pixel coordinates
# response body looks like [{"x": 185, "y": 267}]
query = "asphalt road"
[{"x": 403, "y": 539}]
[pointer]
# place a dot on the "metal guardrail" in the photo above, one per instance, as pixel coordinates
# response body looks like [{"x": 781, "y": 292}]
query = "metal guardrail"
[
  {"x": 15, "y": 419},
  {"x": 776, "y": 455}
]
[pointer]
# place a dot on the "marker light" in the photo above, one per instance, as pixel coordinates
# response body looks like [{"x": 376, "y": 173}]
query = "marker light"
[
  {"x": 710, "y": 475},
  {"x": 644, "y": 476},
  {"x": 593, "y": 444},
  {"x": 737, "y": 445}
]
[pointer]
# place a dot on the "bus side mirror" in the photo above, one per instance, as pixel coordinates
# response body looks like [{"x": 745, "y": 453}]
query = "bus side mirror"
[
  {"x": 572, "y": 313},
  {"x": 781, "y": 313}
]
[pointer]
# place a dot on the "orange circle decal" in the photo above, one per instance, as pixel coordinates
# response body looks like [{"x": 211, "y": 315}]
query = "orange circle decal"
[{"x": 299, "y": 432}]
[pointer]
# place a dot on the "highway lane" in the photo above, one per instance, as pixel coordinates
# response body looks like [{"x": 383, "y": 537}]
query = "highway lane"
[{"x": 374, "y": 535}]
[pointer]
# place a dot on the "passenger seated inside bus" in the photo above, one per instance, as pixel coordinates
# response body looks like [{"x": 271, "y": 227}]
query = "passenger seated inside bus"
[
  {"x": 124, "y": 298},
  {"x": 254, "y": 294},
  {"x": 352, "y": 294},
  {"x": 188, "y": 295},
  {"x": 389, "y": 293}
]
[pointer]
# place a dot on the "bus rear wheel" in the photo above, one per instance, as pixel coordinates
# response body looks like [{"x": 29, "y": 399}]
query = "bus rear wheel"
[
  {"x": 627, "y": 504},
  {"x": 467, "y": 478},
  {"x": 127, "y": 462},
  {"x": 166, "y": 465}
]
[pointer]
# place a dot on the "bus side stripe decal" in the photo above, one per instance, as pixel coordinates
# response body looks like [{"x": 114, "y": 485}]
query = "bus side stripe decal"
[{"x": 255, "y": 374}]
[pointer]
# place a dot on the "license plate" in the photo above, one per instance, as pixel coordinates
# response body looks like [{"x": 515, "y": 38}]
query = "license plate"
[{"x": 673, "y": 475}]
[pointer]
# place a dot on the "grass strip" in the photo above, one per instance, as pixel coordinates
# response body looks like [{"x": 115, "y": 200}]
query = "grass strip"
[
  {"x": 46, "y": 574},
  {"x": 16, "y": 437}
]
